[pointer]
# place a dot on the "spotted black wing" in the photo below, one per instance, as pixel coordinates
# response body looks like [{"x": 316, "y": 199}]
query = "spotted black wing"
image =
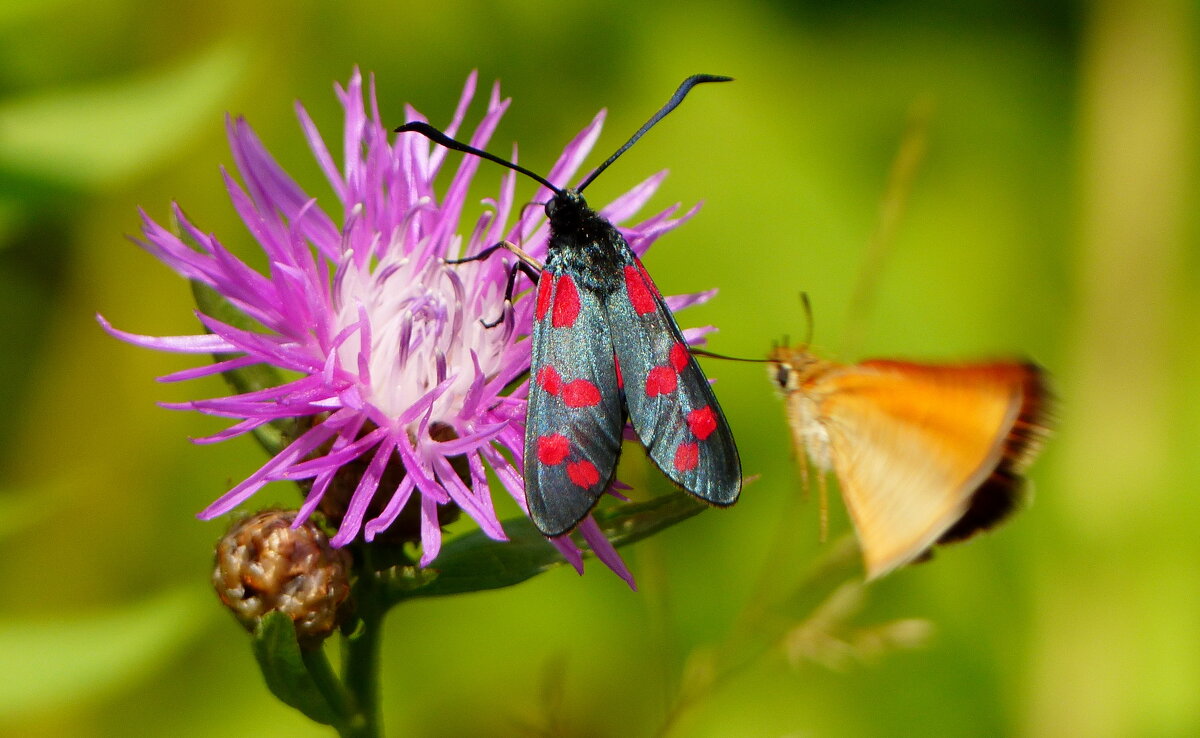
[
  {"x": 573, "y": 426},
  {"x": 670, "y": 402}
]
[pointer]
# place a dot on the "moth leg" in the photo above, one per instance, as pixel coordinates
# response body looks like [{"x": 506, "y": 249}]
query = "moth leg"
[
  {"x": 519, "y": 267},
  {"x": 802, "y": 462},
  {"x": 509, "y": 246},
  {"x": 525, "y": 263}
]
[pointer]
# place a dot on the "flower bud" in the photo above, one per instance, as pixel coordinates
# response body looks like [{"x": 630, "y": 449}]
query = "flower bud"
[{"x": 264, "y": 565}]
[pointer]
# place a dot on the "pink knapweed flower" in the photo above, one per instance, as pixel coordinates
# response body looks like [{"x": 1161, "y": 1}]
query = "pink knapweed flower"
[{"x": 399, "y": 383}]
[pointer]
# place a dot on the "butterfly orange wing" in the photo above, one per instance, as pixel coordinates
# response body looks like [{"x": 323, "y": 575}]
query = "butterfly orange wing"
[{"x": 912, "y": 443}]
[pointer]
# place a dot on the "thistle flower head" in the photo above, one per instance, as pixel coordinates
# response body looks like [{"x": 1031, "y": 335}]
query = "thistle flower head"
[{"x": 405, "y": 397}]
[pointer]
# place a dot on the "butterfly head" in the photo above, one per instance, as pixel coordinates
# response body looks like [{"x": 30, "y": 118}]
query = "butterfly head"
[{"x": 789, "y": 366}]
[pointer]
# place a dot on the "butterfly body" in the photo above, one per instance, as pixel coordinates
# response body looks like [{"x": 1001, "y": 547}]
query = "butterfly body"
[
  {"x": 606, "y": 347},
  {"x": 924, "y": 453}
]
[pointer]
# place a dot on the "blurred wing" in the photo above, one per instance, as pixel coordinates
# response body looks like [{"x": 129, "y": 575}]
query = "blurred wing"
[
  {"x": 671, "y": 404},
  {"x": 573, "y": 426},
  {"x": 911, "y": 444}
]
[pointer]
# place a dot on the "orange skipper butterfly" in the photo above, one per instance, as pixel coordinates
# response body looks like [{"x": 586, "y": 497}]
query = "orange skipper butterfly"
[{"x": 924, "y": 453}]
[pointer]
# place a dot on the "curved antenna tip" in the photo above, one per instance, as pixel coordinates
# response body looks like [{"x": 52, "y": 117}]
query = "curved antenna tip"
[
  {"x": 684, "y": 88},
  {"x": 442, "y": 139}
]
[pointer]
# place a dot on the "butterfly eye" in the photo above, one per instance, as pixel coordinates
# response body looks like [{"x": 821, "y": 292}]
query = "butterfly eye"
[
  {"x": 782, "y": 374},
  {"x": 551, "y": 207}
]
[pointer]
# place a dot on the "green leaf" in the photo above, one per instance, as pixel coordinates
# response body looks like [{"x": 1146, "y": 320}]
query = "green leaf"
[
  {"x": 59, "y": 661},
  {"x": 92, "y": 136},
  {"x": 285, "y": 671},
  {"x": 628, "y": 524},
  {"x": 474, "y": 562}
]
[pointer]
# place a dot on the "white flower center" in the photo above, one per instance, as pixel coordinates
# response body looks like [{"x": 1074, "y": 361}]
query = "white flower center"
[{"x": 421, "y": 328}]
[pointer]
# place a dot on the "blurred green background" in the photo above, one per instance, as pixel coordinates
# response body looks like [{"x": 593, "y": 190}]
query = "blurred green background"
[{"x": 1053, "y": 217}]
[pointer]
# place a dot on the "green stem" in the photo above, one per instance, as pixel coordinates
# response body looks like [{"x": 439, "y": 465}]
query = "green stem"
[
  {"x": 360, "y": 675},
  {"x": 319, "y": 668},
  {"x": 360, "y": 651}
]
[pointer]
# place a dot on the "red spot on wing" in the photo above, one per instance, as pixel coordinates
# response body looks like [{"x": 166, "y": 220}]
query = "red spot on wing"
[
  {"x": 543, "y": 296},
  {"x": 552, "y": 449},
  {"x": 583, "y": 473},
  {"x": 581, "y": 393},
  {"x": 549, "y": 380},
  {"x": 617, "y": 366},
  {"x": 679, "y": 357},
  {"x": 638, "y": 288},
  {"x": 687, "y": 457},
  {"x": 566, "y": 303},
  {"x": 646, "y": 276},
  {"x": 661, "y": 380},
  {"x": 702, "y": 422}
]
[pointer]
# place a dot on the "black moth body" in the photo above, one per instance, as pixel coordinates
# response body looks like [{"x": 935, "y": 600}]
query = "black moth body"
[{"x": 606, "y": 347}]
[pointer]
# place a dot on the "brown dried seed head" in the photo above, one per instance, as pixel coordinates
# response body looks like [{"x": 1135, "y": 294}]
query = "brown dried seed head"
[{"x": 264, "y": 565}]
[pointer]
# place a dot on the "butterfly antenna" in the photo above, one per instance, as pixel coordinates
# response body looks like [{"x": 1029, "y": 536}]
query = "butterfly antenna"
[
  {"x": 684, "y": 88},
  {"x": 442, "y": 139},
  {"x": 806, "y": 306}
]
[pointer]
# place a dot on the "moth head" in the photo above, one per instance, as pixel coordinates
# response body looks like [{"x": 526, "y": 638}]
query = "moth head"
[{"x": 566, "y": 207}]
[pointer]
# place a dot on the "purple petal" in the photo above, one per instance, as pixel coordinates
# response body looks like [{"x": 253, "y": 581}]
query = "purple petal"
[
  {"x": 299, "y": 448},
  {"x": 333, "y": 460},
  {"x": 395, "y": 505},
  {"x": 321, "y": 152},
  {"x": 479, "y": 508},
  {"x": 217, "y": 367},
  {"x": 202, "y": 344},
  {"x": 632, "y": 201},
  {"x": 234, "y": 430},
  {"x": 431, "y": 532},
  {"x": 604, "y": 550},
  {"x": 570, "y": 552},
  {"x": 679, "y": 302},
  {"x": 363, "y": 494}
]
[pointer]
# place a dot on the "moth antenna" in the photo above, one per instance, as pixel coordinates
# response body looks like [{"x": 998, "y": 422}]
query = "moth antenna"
[
  {"x": 684, "y": 88},
  {"x": 442, "y": 139},
  {"x": 711, "y": 355}
]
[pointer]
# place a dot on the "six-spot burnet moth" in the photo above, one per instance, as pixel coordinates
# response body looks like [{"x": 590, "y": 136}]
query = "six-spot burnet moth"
[{"x": 606, "y": 347}]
